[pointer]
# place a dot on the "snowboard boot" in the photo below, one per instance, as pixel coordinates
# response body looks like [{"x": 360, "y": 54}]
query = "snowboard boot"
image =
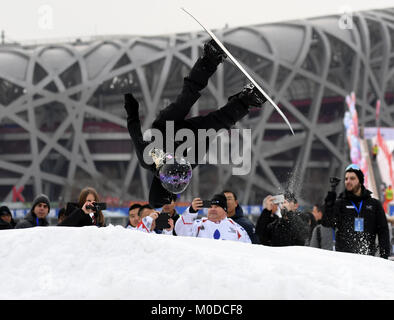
[
  {"x": 252, "y": 97},
  {"x": 213, "y": 52}
]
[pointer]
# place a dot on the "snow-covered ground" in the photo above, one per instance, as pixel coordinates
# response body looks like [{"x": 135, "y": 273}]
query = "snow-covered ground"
[{"x": 118, "y": 263}]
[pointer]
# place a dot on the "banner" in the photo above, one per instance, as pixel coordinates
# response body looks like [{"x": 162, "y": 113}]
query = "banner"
[{"x": 352, "y": 134}]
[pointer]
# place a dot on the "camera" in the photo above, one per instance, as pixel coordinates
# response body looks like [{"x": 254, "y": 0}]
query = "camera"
[
  {"x": 280, "y": 198},
  {"x": 206, "y": 203},
  {"x": 97, "y": 206},
  {"x": 334, "y": 182},
  {"x": 162, "y": 221}
]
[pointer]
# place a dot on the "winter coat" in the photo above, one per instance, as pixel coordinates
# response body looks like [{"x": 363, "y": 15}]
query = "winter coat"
[
  {"x": 30, "y": 220},
  {"x": 174, "y": 217},
  {"x": 244, "y": 222},
  {"x": 226, "y": 229},
  {"x": 290, "y": 230},
  {"x": 323, "y": 238},
  {"x": 76, "y": 217},
  {"x": 341, "y": 214},
  {"x": 146, "y": 224},
  {"x": 5, "y": 225}
]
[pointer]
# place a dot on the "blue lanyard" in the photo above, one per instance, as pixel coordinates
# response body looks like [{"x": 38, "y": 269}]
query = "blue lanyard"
[
  {"x": 37, "y": 221},
  {"x": 333, "y": 234},
  {"x": 359, "y": 209}
]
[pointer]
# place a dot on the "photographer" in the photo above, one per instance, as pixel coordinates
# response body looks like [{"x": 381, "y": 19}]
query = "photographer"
[
  {"x": 288, "y": 230},
  {"x": 215, "y": 226},
  {"x": 84, "y": 213},
  {"x": 170, "y": 212},
  {"x": 358, "y": 217},
  {"x": 148, "y": 217}
]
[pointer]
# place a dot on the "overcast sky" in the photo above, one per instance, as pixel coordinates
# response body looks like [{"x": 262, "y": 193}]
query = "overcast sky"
[{"x": 52, "y": 19}]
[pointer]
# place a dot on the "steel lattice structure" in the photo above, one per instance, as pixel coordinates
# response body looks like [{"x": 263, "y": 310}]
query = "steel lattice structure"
[{"x": 63, "y": 125}]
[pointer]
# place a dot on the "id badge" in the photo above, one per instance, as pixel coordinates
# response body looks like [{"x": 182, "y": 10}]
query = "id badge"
[{"x": 359, "y": 224}]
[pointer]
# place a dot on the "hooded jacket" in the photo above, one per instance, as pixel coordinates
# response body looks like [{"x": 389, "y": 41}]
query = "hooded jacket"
[
  {"x": 5, "y": 225},
  {"x": 75, "y": 217},
  {"x": 341, "y": 214}
]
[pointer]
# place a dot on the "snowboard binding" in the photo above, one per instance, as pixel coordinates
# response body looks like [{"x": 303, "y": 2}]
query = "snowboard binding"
[
  {"x": 213, "y": 52},
  {"x": 252, "y": 96}
]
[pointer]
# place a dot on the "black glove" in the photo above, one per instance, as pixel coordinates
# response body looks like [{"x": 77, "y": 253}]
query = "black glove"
[
  {"x": 334, "y": 181},
  {"x": 329, "y": 201},
  {"x": 131, "y": 105},
  {"x": 213, "y": 52}
]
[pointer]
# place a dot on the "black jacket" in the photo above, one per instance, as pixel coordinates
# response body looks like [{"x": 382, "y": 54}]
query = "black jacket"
[
  {"x": 174, "y": 217},
  {"x": 75, "y": 217},
  {"x": 341, "y": 214},
  {"x": 290, "y": 230},
  {"x": 245, "y": 223},
  {"x": 31, "y": 220},
  {"x": 5, "y": 225}
]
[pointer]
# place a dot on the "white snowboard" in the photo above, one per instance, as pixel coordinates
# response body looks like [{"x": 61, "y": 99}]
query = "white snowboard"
[{"x": 241, "y": 69}]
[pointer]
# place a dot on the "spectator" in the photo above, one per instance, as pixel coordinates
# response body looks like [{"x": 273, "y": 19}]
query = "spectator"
[
  {"x": 288, "y": 230},
  {"x": 170, "y": 209},
  {"x": 61, "y": 215},
  {"x": 148, "y": 216},
  {"x": 268, "y": 216},
  {"x": 37, "y": 215},
  {"x": 383, "y": 192},
  {"x": 322, "y": 237},
  {"x": 317, "y": 212},
  {"x": 215, "y": 226},
  {"x": 388, "y": 197},
  {"x": 6, "y": 220},
  {"x": 235, "y": 212},
  {"x": 375, "y": 150},
  {"x": 357, "y": 216},
  {"x": 134, "y": 218},
  {"x": 310, "y": 220},
  {"x": 78, "y": 215}
]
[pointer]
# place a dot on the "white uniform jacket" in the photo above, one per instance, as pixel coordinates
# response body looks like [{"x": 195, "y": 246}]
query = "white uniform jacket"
[
  {"x": 226, "y": 229},
  {"x": 146, "y": 224}
]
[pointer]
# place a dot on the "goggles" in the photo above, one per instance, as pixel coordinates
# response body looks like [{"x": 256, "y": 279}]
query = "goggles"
[{"x": 353, "y": 166}]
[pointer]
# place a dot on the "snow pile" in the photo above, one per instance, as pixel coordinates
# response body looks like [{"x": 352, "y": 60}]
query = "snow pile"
[{"x": 118, "y": 263}]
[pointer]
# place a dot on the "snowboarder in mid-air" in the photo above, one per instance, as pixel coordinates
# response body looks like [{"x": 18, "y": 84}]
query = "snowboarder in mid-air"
[{"x": 164, "y": 186}]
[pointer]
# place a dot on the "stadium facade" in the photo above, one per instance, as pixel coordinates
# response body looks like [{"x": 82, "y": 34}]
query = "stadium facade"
[{"x": 63, "y": 126}]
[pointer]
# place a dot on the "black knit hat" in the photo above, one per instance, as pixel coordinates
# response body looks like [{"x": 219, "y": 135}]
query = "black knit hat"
[
  {"x": 220, "y": 200},
  {"x": 41, "y": 198},
  {"x": 354, "y": 168},
  {"x": 5, "y": 210}
]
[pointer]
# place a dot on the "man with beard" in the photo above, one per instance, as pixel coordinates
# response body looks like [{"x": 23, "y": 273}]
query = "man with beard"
[{"x": 358, "y": 217}]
